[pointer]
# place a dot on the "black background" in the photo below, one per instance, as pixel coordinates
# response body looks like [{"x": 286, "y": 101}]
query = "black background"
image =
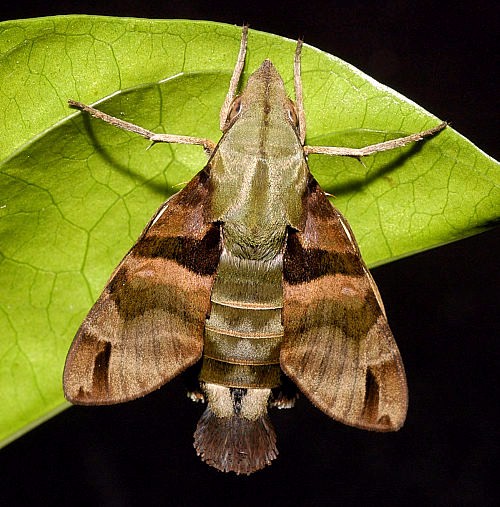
[{"x": 442, "y": 306}]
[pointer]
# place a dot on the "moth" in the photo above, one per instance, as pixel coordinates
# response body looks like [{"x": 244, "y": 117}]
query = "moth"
[{"x": 252, "y": 275}]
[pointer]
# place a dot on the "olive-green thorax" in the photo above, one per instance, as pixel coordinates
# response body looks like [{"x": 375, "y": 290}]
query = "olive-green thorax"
[{"x": 258, "y": 170}]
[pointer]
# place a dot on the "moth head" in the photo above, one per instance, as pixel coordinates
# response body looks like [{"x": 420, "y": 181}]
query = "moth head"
[{"x": 264, "y": 96}]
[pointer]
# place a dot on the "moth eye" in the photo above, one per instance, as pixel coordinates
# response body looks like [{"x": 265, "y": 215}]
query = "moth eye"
[{"x": 235, "y": 108}]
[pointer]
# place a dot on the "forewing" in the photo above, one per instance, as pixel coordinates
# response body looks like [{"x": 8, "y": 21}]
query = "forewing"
[
  {"x": 338, "y": 347},
  {"x": 147, "y": 326}
]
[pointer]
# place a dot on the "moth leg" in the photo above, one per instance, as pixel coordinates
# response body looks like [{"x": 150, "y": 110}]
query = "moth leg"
[
  {"x": 155, "y": 138},
  {"x": 235, "y": 78},
  {"x": 299, "y": 101},
  {"x": 197, "y": 396},
  {"x": 192, "y": 385},
  {"x": 374, "y": 148},
  {"x": 285, "y": 395}
]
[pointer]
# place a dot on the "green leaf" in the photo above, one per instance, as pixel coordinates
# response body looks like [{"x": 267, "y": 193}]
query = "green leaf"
[{"x": 75, "y": 192}]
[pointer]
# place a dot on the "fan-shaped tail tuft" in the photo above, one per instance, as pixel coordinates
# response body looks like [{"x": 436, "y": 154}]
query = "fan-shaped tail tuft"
[{"x": 235, "y": 443}]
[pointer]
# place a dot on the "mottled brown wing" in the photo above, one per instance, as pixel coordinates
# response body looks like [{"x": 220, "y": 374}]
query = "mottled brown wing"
[
  {"x": 147, "y": 326},
  {"x": 338, "y": 347}
]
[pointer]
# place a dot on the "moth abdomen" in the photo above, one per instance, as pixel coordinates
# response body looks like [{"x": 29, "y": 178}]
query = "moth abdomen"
[
  {"x": 240, "y": 366},
  {"x": 243, "y": 335}
]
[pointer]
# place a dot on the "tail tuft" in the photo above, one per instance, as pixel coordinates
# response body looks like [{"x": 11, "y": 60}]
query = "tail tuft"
[{"x": 235, "y": 443}]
